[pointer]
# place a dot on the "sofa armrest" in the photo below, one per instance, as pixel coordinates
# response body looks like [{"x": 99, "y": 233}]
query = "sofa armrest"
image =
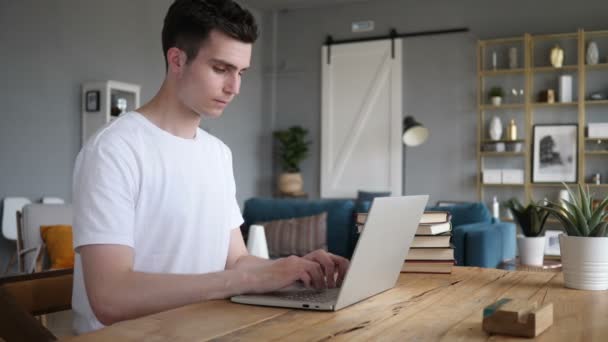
[{"x": 484, "y": 244}]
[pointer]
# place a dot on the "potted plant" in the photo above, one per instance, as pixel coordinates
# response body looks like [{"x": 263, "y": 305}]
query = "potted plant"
[
  {"x": 531, "y": 219},
  {"x": 496, "y": 95},
  {"x": 293, "y": 148},
  {"x": 584, "y": 250}
]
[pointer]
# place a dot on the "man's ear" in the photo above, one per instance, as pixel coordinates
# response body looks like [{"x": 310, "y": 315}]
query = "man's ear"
[{"x": 176, "y": 60}]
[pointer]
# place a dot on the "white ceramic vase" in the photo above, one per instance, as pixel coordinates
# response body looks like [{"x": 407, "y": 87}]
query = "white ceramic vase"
[
  {"x": 584, "y": 262},
  {"x": 496, "y": 100},
  {"x": 531, "y": 250},
  {"x": 593, "y": 54},
  {"x": 495, "y": 128}
]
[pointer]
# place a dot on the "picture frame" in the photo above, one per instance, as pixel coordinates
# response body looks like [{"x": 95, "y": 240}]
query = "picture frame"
[
  {"x": 555, "y": 153},
  {"x": 92, "y": 100},
  {"x": 552, "y": 242}
]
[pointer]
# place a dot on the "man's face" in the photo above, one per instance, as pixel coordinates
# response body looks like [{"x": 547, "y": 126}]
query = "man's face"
[{"x": 210, "y": 81}]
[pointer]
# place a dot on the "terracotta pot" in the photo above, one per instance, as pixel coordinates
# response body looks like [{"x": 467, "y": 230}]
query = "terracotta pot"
[
  {"x": 290, "y": 183},
  {"x": 584, "y": 262}
]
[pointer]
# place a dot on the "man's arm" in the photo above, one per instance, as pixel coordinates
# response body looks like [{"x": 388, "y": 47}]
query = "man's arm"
[{"x": 116, "y": 292}]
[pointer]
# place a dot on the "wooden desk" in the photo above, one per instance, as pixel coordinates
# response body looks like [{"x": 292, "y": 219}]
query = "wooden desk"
[{"x": 421, "y": 308}]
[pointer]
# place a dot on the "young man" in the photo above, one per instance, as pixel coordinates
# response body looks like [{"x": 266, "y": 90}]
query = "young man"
[{"x": 156, "y": 222}]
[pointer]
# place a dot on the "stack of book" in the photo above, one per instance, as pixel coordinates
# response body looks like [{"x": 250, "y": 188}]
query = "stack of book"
[{"x": 431, "y": 251}]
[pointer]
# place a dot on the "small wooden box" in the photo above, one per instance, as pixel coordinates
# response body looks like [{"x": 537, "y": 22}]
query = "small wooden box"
[{"x": 517, "y": 318}]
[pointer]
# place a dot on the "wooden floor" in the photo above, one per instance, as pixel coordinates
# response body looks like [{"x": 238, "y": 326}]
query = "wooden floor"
[{"x": 420, "y": 308}]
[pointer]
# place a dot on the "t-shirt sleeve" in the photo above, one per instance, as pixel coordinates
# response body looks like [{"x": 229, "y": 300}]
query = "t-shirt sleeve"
[
  {"x": 104, "y": 195},
  {"x": 235, "y": 219}
]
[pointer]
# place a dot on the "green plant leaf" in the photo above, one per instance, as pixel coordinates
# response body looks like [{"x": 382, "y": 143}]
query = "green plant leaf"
[
  {"x": 586, "y": 202},
  {"x": 581, "y": 221},
  {"x": 572, "y": 197},
  {"x": 568, "y": 225},
  {"x": 600, "y": 231},
  {"x": 599, "y": 214}
]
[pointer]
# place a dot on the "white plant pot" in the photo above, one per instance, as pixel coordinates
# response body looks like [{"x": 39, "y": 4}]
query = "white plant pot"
[
  {"x": 531, "y": 250},
  {"x": 496, "y": 100},
  {"x": 584, "y": 262}
]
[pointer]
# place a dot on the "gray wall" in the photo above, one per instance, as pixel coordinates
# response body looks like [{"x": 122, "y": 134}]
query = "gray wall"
[
  {"x": 49, "y": 48},
  {"x": 439, "y": 73}
]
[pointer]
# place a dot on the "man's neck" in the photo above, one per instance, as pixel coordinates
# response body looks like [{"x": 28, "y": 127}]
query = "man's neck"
[{"x": 169, "y": 114}]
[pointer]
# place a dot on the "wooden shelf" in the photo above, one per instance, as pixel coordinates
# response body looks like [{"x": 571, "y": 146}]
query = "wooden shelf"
[
  {"x": 555, "y": 36},
  {"x": 597, "y": 153},
  {"x": 542, "y": 185},
  {"x": 497, "y": 72},
  {"x": 500, "y": 185},
  {"x": 554, "y": 69},
  {"x": 596, "y": 102},
  {"x": 556, "y": 104},
  {"x": 501, "y": 154},
  {"x": 591, "y": 185},
  {"x": 597, "y": 66},
  {"x": 502, "y": 106},
  {"x": 596, "y": 139},
  {"x": 501, "y": 141}
]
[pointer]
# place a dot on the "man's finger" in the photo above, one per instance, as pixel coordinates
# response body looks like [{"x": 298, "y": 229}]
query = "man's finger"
[
  {"x": 328, "y": 265},
  {"x": 342, "y": 264}
]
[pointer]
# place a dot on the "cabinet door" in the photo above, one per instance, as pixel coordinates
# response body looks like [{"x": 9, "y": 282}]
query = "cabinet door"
[{"x": 361, "y": 118}]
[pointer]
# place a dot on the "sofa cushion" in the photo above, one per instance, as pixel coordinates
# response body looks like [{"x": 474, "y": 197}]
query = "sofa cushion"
[
  {"x": 340, "y": 217},
  {"x": 466, "y": 213},
  {"x": 296, "y": 236}
]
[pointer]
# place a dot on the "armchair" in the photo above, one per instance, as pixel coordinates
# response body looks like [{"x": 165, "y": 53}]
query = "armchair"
[{"x": 479, "y": 240}]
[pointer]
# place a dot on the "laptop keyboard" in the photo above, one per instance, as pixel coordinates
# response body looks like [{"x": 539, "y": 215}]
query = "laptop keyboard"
[{"x": 313, "y": 296}]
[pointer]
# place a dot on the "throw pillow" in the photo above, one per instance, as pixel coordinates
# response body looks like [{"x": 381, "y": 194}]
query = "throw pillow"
[
  {"x": 296, "y": 236},
  {"x": 58, "y": 241}
]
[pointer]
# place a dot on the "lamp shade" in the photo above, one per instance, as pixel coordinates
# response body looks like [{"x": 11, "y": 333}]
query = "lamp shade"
[{"x": 414, "y": 133}]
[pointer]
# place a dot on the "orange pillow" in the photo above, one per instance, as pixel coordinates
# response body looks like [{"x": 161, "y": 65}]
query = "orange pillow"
[{"x": 58, "y": 241}]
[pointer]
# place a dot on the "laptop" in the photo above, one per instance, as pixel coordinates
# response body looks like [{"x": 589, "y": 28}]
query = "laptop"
[{"x": 374, "y": 267}]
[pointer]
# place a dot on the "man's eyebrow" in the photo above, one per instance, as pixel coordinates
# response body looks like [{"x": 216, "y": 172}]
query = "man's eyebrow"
[{"x": 227, "y": 64}]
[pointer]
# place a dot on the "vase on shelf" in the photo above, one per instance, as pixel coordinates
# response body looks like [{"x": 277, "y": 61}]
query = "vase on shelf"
[
  {"x": 557, "y": 56},
  {"x": 593, "y": 54},
  {"x": 495, "y": 128}
]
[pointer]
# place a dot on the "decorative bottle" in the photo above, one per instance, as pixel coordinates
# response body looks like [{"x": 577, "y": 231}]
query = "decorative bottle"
[{"x": 512, "y": 130}]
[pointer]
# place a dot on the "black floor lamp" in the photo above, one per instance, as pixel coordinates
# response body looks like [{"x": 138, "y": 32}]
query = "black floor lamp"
[{"x": 414, "y": 134}]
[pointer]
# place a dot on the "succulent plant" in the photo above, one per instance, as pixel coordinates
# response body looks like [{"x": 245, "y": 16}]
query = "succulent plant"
[
  {"x": 531, "y": 218},
  {"x": 578, "y": 216},
  {"x": 496, "y": 92}
]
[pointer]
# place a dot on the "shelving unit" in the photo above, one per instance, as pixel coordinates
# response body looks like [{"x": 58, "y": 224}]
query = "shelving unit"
[
  {"x": 100, "y": 103},
  {"x": 537, "y": 74}
]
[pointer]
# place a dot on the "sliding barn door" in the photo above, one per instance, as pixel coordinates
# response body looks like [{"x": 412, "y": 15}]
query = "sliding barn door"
[{"x": 361, "y": 118}]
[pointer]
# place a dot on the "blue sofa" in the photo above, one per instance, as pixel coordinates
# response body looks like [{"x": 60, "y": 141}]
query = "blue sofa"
[{"x": 478, "y": 240}]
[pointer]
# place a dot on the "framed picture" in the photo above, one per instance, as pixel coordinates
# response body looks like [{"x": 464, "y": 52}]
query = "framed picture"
[
  {"x": 552, "y": 242},
  {"x": 92, "y": 101},
  {"x": 555, "y": 153}
]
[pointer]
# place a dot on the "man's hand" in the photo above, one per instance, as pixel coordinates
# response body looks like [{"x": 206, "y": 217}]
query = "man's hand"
[
  {"x": 318, "y": 270},
  {"x": 334, "y": 266}
]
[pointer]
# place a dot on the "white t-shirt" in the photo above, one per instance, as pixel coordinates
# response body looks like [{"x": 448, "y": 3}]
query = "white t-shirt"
[{"x": 170, "y": 199}]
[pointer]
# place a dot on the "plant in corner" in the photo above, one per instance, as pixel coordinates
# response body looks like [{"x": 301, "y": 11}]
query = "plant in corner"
[
  {"x": 531, "y": 219},
  {"x": 584, "y": 250},
  {"x": 496, "y": 95},
  {"x": 293, "y": 149}
]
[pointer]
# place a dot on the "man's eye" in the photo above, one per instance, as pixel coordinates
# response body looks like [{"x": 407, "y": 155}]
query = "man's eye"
[{"x": 219, "y": 70}]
